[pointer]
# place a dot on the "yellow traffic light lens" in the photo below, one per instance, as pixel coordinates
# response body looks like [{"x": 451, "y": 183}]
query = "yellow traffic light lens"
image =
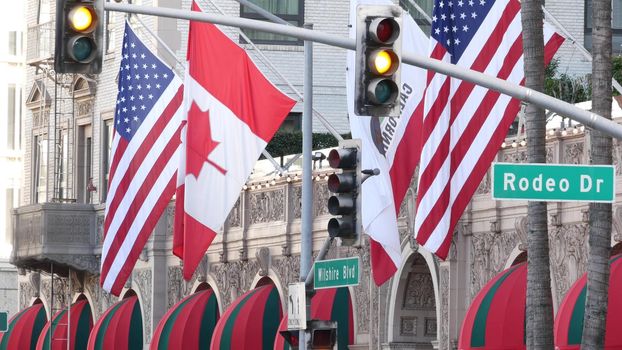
[
  {"x": 81, "y": 18},
  {"x": 382, "y": 62}
]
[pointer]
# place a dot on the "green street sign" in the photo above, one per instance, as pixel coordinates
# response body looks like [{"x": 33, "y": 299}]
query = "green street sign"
[
  {"x": 553, "y": 182},
  {"x": 4, "y": 321},
  {"x": 336, "y": 273}
]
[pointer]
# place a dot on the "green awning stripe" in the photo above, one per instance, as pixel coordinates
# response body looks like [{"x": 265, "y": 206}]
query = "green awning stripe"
[
  {"x": 135, "y": 341},
  {"x": 271, "y": 319},
  {"x": 38, "y": 326},
  {"x": 341, "y": 314},
  {"x": 84, "y": 328},
  {"x": 478, "y": 334},
  {"x": 168, "y": 326},
  {"x": 227, "y": 332},
  {"x": 103, "y": 329},
  {"x": 5, "y": 338},
  {"x": 575, "y": 328},
  {"x": 208, "y": 322}
]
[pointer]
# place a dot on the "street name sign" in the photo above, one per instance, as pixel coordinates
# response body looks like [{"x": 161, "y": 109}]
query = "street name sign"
[
  {"x": 4, "y": 321},
  {"x": 336, "y": 273},
  {"x": 553, "y": 182},
  {"x": 296, "y": 306}
]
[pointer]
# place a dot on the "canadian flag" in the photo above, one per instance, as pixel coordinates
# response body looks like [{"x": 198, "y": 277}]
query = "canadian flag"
[{"x": 232, "y": 113}]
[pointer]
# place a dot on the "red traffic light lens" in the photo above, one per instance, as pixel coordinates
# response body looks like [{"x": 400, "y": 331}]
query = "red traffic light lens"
[{"x": 384, "y": 30}]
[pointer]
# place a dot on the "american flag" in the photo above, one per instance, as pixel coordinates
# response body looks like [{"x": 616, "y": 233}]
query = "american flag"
[
  {"x": 145, "y": 156},
  {"x": 463, "y": 124}
]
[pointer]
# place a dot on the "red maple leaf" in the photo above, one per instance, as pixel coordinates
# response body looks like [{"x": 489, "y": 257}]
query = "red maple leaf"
[{"x": 199, "y": 141}]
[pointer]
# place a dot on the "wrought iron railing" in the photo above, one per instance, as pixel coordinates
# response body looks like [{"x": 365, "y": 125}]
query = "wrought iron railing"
[{"x": 40, "y": 42}]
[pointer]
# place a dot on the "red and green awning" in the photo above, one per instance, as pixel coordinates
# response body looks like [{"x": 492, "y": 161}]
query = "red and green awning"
[
  {"x": 569, "y": 320},
  {"x": 496, "y": 318},
  {"x": 24, "y": 329},
  {"x": 250, "y": 322},
  {"x": 189, "y": 324},
  {"x": 119, "y": 328},
  {"x": 80, "y": 328},
  {"x": 332, "y": 304}
]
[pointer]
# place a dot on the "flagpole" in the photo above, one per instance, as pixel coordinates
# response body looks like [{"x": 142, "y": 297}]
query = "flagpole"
[{"x": 306, "y": 240}]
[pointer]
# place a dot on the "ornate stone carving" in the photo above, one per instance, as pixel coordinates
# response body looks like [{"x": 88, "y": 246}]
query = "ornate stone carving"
[
  {"x": 68, "y": 227},
  {"x": 235, "y": 216},
  {"x": 170, "y": 220},
  {"x": 60, "y": 292},
  {"x": 408, "y": 326},
  {"x": 617, "y": 156},
  {"x": 296, "y": 200},
  {"x": 102, "y": 300},
  {"x": 419, "y": 292},
  {"x": 100, "y": 229},
  {"x": 77, "y": 281},
  {"x": 263, "y": 259},
  {"x": 573, "y": 153},
  {"x": 444, "y": 296},
  {"x": 430, "y": 327},
  {"x": 178, "y": 288},
  {"x": 568, "y": 255},
  {"x": 362, "y": 296},
  {"x": 288, "y": 269},
  {"x": 26, "y": 292},
  {"x": 617, "y": 224},
  {"x": 488, "y": 255},
  {"x": 515, "y": 155},
  {"x": 484, "y": 185},
  {"x": 320, "y": 198},
  {"x": 35, "y": 282},
  {"x": 235, "y": 278},
  {"x": 84, "y": 108},
  {"x": 267, "y": 206},
  {"x": 143, "y": 281}
]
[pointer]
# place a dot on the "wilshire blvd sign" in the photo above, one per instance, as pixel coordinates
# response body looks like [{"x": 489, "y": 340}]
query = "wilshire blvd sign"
[
  {"x": 336, "y": 273},
  {"x": 553, "y": 182}
]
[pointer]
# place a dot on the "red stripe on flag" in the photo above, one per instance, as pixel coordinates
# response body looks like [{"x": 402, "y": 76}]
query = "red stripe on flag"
[
  {"x": 117, "y": 197},
  {"x": 383, "y": 267},
  {"x": 143, "y": 236},
  {"x": 137, "y": 203}
]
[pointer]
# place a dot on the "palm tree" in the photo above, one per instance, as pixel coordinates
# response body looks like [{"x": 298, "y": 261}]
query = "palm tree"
[
  {"x": 539, "y": 313},
  {"x": 600, "y": 213}
]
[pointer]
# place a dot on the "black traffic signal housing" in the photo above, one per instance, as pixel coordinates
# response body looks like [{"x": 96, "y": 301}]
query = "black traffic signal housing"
[
  {"x": 345, "y": 186},
  {"x": 323, "y": 334},
  {"x": 79, "y": 36},
  {"x": 378, "y": 60}
]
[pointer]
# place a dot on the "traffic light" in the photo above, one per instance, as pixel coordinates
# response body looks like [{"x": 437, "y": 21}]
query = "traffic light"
[
  {"x": 345, "y": 186},
  {"x": 79, "y": 36},
  {"x": 378, "y": 60}
]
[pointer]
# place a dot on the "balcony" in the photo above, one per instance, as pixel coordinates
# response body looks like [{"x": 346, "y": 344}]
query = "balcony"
[
  {"x": 40, "y": 43},
  {"x": 55, "y": 233}
]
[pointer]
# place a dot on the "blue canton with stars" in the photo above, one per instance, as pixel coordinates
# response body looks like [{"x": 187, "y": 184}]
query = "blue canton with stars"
[
  {"x": 142, "y": 80},
  {"x": 455, "y": 22}
]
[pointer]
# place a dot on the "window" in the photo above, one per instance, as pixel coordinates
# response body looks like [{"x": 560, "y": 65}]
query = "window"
[
  {"x": 11, "y": 116},
  {"x": 616, "y": 25},
  {"x": 110, "y": 42},
  {"x": 290, "y": 10},
  {"x": 40, "y": 167},
  {"x": 64, "y": 165},
  {"x": 44, "y": 11},
  {"x": 292, "y": 123},
  {"x": 85, "y": 169},
  {"x": 12, "y": 42},
  {"x": 425, "y": 5},
  {"x": 108, "y": 131}
]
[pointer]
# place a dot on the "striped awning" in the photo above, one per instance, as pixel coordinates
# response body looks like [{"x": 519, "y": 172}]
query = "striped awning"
[
  {"x": 80, "y": 323},
  {"x": 332, "y": 304},
  {"x": 250, "y": 322},
  {"x": 24, "y": 329},
  {"x": 189, "y": 324},
  {"x": 569, "y": 320},
  {"x": 496, "y": 317},
  {"x": 119, "y": 328}
]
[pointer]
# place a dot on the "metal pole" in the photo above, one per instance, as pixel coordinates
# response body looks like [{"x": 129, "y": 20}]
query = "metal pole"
[
  {"x": 306, "y": 240},
  {"x": 589, "y": 119},
  {"x": 264, "y": 13}
]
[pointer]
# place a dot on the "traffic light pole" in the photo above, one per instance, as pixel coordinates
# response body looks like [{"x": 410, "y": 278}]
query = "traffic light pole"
[
  {"x": 542, "y": 100},
  {"x": 306, "y": 240}
]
